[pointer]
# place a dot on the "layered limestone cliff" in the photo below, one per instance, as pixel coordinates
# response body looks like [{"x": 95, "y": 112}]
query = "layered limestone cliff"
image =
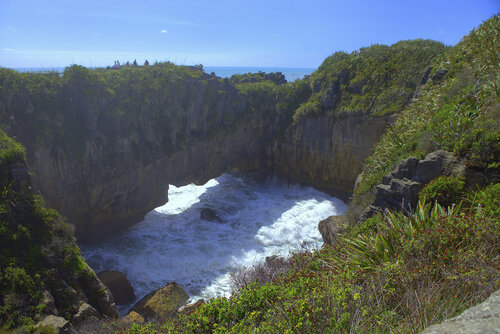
[
  {"x": 124, "y": 164},
  {"x": 328, "y": 151},
  {"x": 106, "y": 155}
]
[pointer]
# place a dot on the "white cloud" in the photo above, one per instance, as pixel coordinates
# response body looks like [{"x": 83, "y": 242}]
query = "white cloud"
[
  {"x": 10, "y": 28},
  {"x": 7, "y": 49},
  {"x": 164, "y": 31}
]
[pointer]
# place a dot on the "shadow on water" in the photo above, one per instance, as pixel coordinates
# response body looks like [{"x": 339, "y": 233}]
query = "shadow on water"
[{"x": 172, "y": 243}]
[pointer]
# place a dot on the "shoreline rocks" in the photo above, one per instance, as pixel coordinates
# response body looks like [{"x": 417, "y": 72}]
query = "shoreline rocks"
[
  {"x": 161, "y": 304},
  {"x": 331, "y": 227},
  {"x": 118, "y": 284}
]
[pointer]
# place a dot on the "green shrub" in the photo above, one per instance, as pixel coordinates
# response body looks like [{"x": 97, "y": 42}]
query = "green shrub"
[
  {"x": 445, "y": 190},
  {"x": 485, "y": 202},
  {"x": 459, "y": 114}
]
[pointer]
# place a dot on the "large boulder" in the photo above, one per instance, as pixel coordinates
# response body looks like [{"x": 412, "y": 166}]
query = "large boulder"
[
  {"x": 482, "y": 318},
  {"x": 119, "y": 286},
  {"x": 162, "y": 303},
  {"x": 98, "y": 294},
  {"x": 48, "y": 301},
  {"x": 85, "y": 311},
  {"x": 190, "y": 308},
  {"x": 59, "y": 324},
  {"x": 133, "y": 318},
  {"x": 331, "y": 227}
]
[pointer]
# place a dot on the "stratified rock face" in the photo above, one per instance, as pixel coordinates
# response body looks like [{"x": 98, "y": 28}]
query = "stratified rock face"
[
  {"x": 399, "y": 189},
  {"x": 480, "y": 319},
  {"x": 120, "y": 166},
  {"x": 329, "y": 151}
]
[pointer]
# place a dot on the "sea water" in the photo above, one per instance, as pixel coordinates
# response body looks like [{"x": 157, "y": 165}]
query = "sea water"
[
  {"x": 290, "y": 73},
  {"x": 172, "y": 243}
]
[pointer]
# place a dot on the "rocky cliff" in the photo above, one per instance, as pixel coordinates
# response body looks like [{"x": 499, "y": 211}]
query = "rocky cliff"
[
  {"x": 103, "y": 146},
  {"x": 117, "y": 163},
  {"x": 42, "y": 274},
  {"x": 328, "y": 151}
]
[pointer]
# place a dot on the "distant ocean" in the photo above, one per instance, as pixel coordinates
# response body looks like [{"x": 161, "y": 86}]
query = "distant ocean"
[{"x": 290, "y": 73}]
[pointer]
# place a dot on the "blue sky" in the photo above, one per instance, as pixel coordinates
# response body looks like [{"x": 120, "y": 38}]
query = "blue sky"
[{"x": 54, "y": 33}]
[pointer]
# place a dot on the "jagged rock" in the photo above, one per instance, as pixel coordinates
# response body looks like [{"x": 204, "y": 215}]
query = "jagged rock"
[
  {"x": 439, "y": 163},
  {"x": 162, "y": 303},
  {"x": 480, "y": 319},
  {"x": 85, "y": 311},
  {"x": 98, "y": 294},
  {"x": 331, "y": 227},
  {"x": 134, "y": 318},
  {"x": 210, "y": 215},
  {"x": 331, "y": 97},
  {"x": 119, "y": 286},
  {"x": 48, "y": 300},
  {"x": 59, "y": 324},
  {"x": 399, "y": 189},
  {"x": 191, "y": 307}
]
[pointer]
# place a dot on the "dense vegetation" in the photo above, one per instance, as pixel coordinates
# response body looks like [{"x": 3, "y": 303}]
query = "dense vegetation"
[
  {"x": 49, "y": 106},
  {"x": 393, "y": 272},
  {"x": 458, "y": 110},
  {"x": 38, "y": 250},
  {"x": 379, "y": 79}
]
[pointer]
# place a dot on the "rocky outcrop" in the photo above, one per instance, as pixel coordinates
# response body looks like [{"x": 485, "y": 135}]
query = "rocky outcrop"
[
  {"x": 331, "y": 227},
  {"x": 57, "y": 324},
  {"x": 328, "y": 152},
  {"x": 85, "y": 311},
  {"x": 190, "y": 308},
  {"x": 162, "y": 303},
  {"x": 399, "y": 189},
  {"x": 119, "y": 286},
  {"x": 97, "y": 294},
  {"x": 133, "y": 318},
  {"x": 483, "y": 318}
]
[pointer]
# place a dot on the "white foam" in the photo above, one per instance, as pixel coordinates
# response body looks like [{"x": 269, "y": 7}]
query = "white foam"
[{"x": 174, "y": 244}]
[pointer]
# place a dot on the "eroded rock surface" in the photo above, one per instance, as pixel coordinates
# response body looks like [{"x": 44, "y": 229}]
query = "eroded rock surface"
[
  {"x": 331, "y": 227},
  {"x": 480, "y": 319},
  {"x": 399, "y": 189},
  {"x": 162, "y": 303},
  {"x": 329, "y": 151}
]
